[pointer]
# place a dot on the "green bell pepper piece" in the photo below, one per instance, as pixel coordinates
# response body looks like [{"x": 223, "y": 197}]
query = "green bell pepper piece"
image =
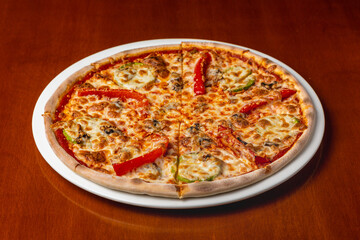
[
  {"x": 67, "y": 136},
  {"x": 246, "y": 86}
]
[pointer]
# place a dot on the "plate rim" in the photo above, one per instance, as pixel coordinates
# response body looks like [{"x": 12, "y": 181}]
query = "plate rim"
[{"x": 284, "y": 174}]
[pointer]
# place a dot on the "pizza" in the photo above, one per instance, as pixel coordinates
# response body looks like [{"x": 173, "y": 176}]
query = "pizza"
[{"x": 184, "y": 120}]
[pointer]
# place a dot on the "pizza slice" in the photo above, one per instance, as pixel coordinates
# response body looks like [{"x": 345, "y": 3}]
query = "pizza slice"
[
  {"x": 121, "y": 119},
  {"x": 238, "y": 114}
]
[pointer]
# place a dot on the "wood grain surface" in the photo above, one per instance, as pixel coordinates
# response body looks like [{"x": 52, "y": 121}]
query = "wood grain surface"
[{"x": 319, "y": 39}]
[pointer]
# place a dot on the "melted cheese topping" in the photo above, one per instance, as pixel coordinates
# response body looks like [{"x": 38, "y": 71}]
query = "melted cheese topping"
[
  {"x": 198, "y": 167},
  {"x": 237, "y": 78},
  {"x": 134, "y": 76},
  {"x": 277, "y": 126}
]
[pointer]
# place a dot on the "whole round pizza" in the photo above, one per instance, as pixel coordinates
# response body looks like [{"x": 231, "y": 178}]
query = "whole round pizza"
[{"x": 183, "y": 120}]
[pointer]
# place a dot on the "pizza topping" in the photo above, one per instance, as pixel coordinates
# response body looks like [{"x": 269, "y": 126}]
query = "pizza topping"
[
  {"x": 108, "y": 129},
  {"x": 261, "y": 161},
  {"x": 122, "y": 94},
  {"x": 239, "y": 120},
  {"x": 176, "y": 82},
  {"x": 269, "y": 134},
  {"x": 200, "y": 107},
  {"x": 242, "y": 141},
  {"x": 134, "y": 75},
  {"x": 200, "y": 73},
  {"x": 127, "y": 166},
  {"x": 237, "y": 79},
  {"x": 194, "y": 129},
  {"x": 277, "y": 127},
  {"x": 269, "y": 86},
  {"x": 98, "y": 106},
  {"x": 286, "y": 93},
  {"x": 269, "y": 144},
  {"x": 252, "y": 153},
  {"x": 130, "y": 64},
  {"x": 161, "y": 143},
  {"x": 251, "y": 106},
  {"x": 63, "y": 141},
  {"x": 249, "y": 82},
  {"x": 158, "y": 63},
  {"x": 68, "y": 137},
  {"x": 92, "y": 133},
  {"x": 59, "y": 133},
  {"x": 214, "y": 75},
  {"x": 237, "y": 147},
  {"x": 198, "y": 166},
  {"x": 148, "y": 172},
  {"x": 82, "y": 136},
  {"x": 186, "y": 141},
  {"x": 85, "y": 85},
  {"x": 153, "y": 124},
  {"x": 204, "y": 141},
  {"x": 197, "y": 140},
  {"x": 97, "y": 157}
]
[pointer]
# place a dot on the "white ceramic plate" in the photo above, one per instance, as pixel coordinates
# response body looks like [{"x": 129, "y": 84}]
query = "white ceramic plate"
[{"x": 158, "y": 202}]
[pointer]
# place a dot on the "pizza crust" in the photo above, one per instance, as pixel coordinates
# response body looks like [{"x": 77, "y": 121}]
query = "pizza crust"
[{"x": 197, "y": 189}]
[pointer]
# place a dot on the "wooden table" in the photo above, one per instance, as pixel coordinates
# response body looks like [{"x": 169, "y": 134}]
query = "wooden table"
[{"x": 319, "y": 39}]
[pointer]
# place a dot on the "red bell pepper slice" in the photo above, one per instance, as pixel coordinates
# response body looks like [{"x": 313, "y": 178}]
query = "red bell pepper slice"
[
  {"x": 237, "y": 147},
  {"x": 65, "y": 144},
  {"x": 122, "y": 94},
  {"x": 125, "y": 167},
  {"x": 261, "y": 161},
  {"x": 200, "y": 72},
  {"x": 251, "y": 106},
  {"x": 285, "y": 93}
]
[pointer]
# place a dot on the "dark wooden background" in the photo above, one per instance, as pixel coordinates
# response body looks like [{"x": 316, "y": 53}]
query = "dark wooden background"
[{"x": 319, "y": 39}]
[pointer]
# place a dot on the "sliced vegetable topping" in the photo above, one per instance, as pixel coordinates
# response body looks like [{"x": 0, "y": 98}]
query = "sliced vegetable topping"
[
  {"x": 66, "y": 135},
  {"x": 150, "y": 157},
  {"x": 59, "y": 133},
  {"x": 285, "y": 93},
  {"x": 125, "y": 167},
  {"x": 249, "y": 82},
  {"x": 251, "y": 106},
  {"x": 238, "y": 78},
  {"x": 237, "y": 147},
  {"x": 199, "y": 166},
  {"x": 122, "y": 94},
  {"x": 134, "y": 75},
  {"x": 261, "y": 161},
  {"x": 200, "y": 73}
]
